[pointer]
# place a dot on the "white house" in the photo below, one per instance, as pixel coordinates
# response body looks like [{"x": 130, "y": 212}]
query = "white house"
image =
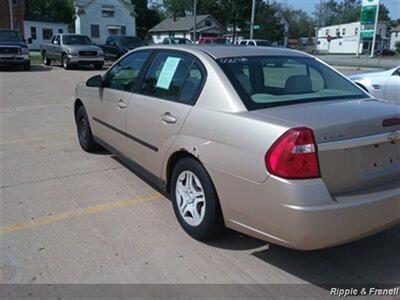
[
  {"x": 38, "y": 29},
  {"x": 99, "y": 19},
  {"x": 184, "y": 26},
  {"x": 394, "y": 37},
  {"x": 345, "y": 38}
]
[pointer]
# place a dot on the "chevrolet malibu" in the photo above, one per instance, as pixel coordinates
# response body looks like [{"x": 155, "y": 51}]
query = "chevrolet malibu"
[{"x": 269, "y": 142}]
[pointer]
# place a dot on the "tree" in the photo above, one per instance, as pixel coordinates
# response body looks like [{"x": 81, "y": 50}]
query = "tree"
[
  {"x": 57, "y": 10},
  {"x": 146, "y": 18},
  {"x": 178, "y": 8},
  {"x": 271, "y": 27}
]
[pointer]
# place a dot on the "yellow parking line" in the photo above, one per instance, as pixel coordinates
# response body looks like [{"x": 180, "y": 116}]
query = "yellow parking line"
[{"x": 77, "y": 213}]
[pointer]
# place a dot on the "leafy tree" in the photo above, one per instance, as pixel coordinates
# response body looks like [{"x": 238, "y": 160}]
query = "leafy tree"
[
  {"x": 271, "y": 27},
  {"x": 58, "y": 10},
  {"x": 178, "y": 8},
  {"x": 146, "y": 18}
]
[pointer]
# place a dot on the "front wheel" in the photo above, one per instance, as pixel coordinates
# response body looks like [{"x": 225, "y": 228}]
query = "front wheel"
[
  {"x": 65, "y": 62},
  {"x": 46, "y": 60},
  {"x": 195, "y": 201},
  {"x": 84, "y": 131}
]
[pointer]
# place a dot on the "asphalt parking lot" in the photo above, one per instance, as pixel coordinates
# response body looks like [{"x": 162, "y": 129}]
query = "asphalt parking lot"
[{"x": 71, "y": 217}]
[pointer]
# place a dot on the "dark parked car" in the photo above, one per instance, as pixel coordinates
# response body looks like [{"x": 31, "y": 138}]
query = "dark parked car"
[
  {"x": 118, "y": 45},
  {"x": 13, "y": 49}
]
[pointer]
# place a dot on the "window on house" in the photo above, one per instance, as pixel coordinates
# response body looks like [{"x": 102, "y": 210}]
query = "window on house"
[
  {"x": 47, "y": 33},
  {"x": 60, "y": 30},
  {"x": 356, "y": 31},
  {"x": 327, "y": 32},
  {"x": 337, "y": 32},
  {"x": 33, "y": 33},
  {"x": 123, "y": 30},
  {"x": 158, "y": 35},
  {"x": 344, "y": 31},
  {"x": 107, "y": 11},
  {"x": 208, "y": 23},
  {"x": 94, "y": 31}
]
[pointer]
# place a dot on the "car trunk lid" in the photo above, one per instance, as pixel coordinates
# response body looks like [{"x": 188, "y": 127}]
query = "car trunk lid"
[{"x": 355, "y": 149}]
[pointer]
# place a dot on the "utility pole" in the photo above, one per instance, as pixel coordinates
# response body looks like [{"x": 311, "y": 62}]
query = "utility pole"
[
  {"x": 10, "y": 7},
  {"x": 253, "y": 16},
  {"x": 195, "y": 21},
  {"x": 318, "y": 26},
  {"x": 375, "y": 30}
]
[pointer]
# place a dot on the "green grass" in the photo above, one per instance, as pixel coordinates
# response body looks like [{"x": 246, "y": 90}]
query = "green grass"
[{"x": 35, "y": 56}]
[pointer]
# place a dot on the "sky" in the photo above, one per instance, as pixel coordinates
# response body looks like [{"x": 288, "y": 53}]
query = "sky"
[{"x": 309, "y": 6}]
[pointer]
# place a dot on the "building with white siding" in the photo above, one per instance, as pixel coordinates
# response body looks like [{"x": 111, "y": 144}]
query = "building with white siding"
[
  {"x": 344, "y": 38},
  {"x": 99, "y": 19},
  {"x": 394, "y": 37},
  {"x": 38, "y": 29}
]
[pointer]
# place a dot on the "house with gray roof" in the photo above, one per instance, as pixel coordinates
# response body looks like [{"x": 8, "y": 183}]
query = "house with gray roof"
[
  {"x": 183, "y": 27},
  {"x": 99, "y": 19}
]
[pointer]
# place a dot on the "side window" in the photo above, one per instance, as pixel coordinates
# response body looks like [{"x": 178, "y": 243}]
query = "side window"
[
  {"x": 243, "y": 43},
  {"x": 123, "y": 75},
  {"x": 251, "y": 43},
  {"x": 192, "y": 85},
  {"x": 166, "y": 76},
  {"x": 57, "y": 40},
  {"x": 317, "y": 81}
]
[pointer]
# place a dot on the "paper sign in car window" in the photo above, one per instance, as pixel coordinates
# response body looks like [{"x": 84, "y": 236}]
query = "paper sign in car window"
[{"x": 167, "y": 72}]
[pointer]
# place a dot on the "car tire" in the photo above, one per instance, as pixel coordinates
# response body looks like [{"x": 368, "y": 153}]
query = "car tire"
[
  {"x": 46, "y": 60},
  {"x": 84, "y": 131},
  {"x": 198, "y": 212},
  {"x": 27, "y": 66},
  {"x": 65, "y": 62},
  {"x": 98, "y": 66}
]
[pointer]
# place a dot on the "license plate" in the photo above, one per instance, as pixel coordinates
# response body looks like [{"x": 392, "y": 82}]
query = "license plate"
[{"x": 381, "y": 158}]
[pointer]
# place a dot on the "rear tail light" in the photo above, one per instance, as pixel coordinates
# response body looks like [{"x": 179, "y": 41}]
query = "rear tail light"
[{"x": 294, "y": 155}]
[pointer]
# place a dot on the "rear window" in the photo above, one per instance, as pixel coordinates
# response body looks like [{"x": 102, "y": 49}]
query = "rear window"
[{"x": 272, "y": 81}]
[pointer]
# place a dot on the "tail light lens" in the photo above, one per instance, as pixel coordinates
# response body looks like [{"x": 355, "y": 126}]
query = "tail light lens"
[{"x": 294, "y": 155}]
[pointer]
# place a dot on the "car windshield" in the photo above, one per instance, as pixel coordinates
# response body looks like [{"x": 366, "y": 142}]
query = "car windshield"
[
  {"x": 9, "y": 36},
  {"x": 130, "y": 43},
  {"x": 265, "y": 81},
  {"x": 76, "y": 40},
  {"x": 264, "y": 43}
]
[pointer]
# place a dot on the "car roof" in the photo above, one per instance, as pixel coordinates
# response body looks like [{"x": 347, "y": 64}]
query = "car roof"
[{"x": 221, "y": 51}]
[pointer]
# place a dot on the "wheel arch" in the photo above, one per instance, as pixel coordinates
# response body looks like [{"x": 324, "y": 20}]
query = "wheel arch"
[
  {"x": 362, "y": 86},
  {"x": 78, "y": 103}
]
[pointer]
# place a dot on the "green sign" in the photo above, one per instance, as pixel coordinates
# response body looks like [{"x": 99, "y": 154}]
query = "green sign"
[
  {"x": 255, "y": 27},
  {"x": 367, "y": 34},
  {"x": 368, "y": 14}
]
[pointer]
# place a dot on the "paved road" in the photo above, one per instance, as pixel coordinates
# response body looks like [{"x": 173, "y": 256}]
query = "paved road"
[
  {"x": 71, "y": 217},
  {"x": 361, "y": 61}
]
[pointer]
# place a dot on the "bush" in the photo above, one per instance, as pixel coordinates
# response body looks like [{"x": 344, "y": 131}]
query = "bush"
[{"x": 397, "y": 45}]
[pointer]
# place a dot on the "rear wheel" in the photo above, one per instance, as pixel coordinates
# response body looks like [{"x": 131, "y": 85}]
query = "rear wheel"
[
  {"x": 84, "y": 131},
  {"x": 195, "y": 200},
  {"x": 46, "y": 60}
]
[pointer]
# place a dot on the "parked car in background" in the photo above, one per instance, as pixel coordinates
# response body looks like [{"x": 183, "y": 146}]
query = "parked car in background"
[
  {"x": 243, "y": 137},
  {"x": 72, "y": 50},
  {"x": 383, "y": 85},
  {"x": 118, "y": 45},
  {"x": 263, "y": 43},
  {"x": 176, "y": 41},
  {"x": 214, "y": 40},
  {"x": 13, "y": 50}
]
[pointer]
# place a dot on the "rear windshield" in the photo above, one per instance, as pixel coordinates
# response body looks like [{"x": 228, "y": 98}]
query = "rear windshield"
[
  {"x": 130, "y": 42},
  {"x": 76, "y": 40},
  {"x": 265, "y": 81},
  {"x": 264, "y": 43}
]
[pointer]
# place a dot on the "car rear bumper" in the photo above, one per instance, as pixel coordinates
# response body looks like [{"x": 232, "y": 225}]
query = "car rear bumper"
[
  {"x": 14, "y": 59},
  {"x": 86, "y": 59},
  {"x": 302, "y": 214}
]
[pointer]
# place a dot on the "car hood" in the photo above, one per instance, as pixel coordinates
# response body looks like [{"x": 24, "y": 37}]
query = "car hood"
[
  {"x": 83, "y": 47},
  {"x": 372, "y": 74},
  {"x": 12, "y": 43},
  {"x": 336, "y": 120}
]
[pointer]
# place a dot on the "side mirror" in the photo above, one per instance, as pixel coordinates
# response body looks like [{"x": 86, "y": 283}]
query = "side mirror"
[
  {"x": 56, "y": 42},
  {"x": 95, "y": 81},
  {"x": 29, "y": 40}
]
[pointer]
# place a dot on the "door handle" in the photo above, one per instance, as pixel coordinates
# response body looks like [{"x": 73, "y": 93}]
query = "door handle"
[
  {"x": 121, "y": 104},
  {"x": 168, "y": 118}
]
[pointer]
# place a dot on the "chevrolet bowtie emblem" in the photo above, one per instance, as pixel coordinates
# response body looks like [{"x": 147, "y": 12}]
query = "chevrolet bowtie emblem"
[{"x": 394, "y": 136}]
